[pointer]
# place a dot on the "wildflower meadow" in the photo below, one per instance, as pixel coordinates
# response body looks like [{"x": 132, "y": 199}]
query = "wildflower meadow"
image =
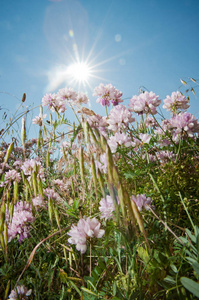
[{"x": 104, "y": 207}]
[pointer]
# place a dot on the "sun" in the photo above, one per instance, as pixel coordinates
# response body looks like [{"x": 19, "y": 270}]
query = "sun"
[{"x": 79, "y": 72}]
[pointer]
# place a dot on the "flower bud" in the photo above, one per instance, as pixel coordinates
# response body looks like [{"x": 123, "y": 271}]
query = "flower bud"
[
  {"x": 9, "y": 150},
  {"x": 40, "y": 186},
  {"x": 81, "y": 164},
  {"x": 101, "y": 182},
  {"x": 50, "y": 209},
  {"x": 5, "y": 233},
  {"x": 23, "y": 97},
  {"x": 23, "y": 131},
  {"x": 2, "y": 218},
  {"x": 103, "y": 142},
  {"x": 2, "y": 242},
  {"x": 16, "y": 188},
  {"x": 34, "y": 177},
  {"x": 57, "y": 217},
  {"x": 93, "y": 168},
  {"x": 41, "y": 110},
  {"x": 47, "y": 160},
  {"x": 86, "y": 132},
  {"x": 110, "y": 164}
]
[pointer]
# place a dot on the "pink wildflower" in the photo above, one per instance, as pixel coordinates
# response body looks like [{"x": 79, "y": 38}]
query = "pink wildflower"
[
  {"x": 50, "y": 101},
  {"x": 30, "y": 165},
  {"x": 119, "y": 139},
  {"x": 66, "y": 146},
  {"x": 38, "y": 201},
  {"x": 97, "y": 121},
  {"x": 21, "y": 220},
  {"x": 141, "y": 201},
  {"x": 17, "y": 164},
  {"x": 50, "y": 193},
  {"x": 85, "y": 228},
  {"x": 150, "y": 122},
  {"x": 60, "y": 184},
  {"x": 11, "y": 176},
  {"x": 145, "y": 103},
  {"x": 81, "y": 98},
  {"x": 102, "y": 164},
  {"x": 107, "y": 94},
  {"x": 54, "y": 102},
  {"x": 119, "y": 118},
  {"x": 185, "y": 122},
  {"x": 21, "y": 292},
  {"x": 39, "y": 119},
  {"x": 175, "y": 101},
  {"x": 106, "y": 207},
  {"x": 67, "y": 94},
  {"x": 165, "y": 155},
  {"x": 145, "y": 137}
]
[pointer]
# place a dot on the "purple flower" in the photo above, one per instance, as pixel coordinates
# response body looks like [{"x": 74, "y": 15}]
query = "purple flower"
[
  {"x": 165, "y": 156},
  {"x": 119, "y": 139},
  {"x": 102, "y": 164},
  {"x": 150, "y": 122},
  {"x": 17, "y": 164},
  {"x": 67, "y": 94},
  {"x": 38, "y": 201},
  {"x": 145, "y": 103},
  {"x": 106, "y": 207},
  {"x": 175, "y": 101},
  {"x": 119, "y": 118},
  {"x": 21, "y": 292},
  {"x": 29, "y": 165},
  {"x": 10, "y": 176},
  {"x": 21, "y": 220},
  {"x": 59, "y": 183},
  {"x": 145, "y": 137},
  {"x": 85, "y": 228},
  {"x": 54, "y": 102},
  {"x": 141, "y": 201},
  {"x": 97, "y": 121},
  {"x": 81, "y": 98},
  {"x": 184, "y": 122},
  {"x": 66, "y": 146},
  {"x": 50, "y": 193},
  {"x": 50, "y": 101},
  {"x": 107, "y": 94},
  {"x": 39, "y": 119}
]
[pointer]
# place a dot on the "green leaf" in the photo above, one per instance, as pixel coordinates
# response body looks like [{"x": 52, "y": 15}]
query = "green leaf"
[
  {"x": 75, "y": 287},
  {"x": 194, "y": 264},
  {"x": 190, "y": 285},
  {"x": 197, "y": 242},
  {"x": 170, "y": 279},
  {"x": 173, "y": 267},
  {"x": 88, "y": 291},
  {"x": 76, "y": 204},
  {"x": 191, "y": 236}
]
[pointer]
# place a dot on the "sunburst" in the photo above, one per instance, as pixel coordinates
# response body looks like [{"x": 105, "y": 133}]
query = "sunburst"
[{"x": 79, "y": 72}]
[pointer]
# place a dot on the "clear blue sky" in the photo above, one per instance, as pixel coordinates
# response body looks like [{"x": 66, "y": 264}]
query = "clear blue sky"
[{"x": 133, "y": 43}]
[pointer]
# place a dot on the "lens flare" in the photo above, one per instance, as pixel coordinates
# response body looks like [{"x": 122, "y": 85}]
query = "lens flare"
[{"x": 79, "y": 72}]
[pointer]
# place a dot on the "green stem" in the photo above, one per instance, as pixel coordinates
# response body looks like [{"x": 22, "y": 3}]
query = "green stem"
[
  {"x": 75, "y": 114},
  {"x": 161, "y": 196},
  {"x": 12, "y": 122},
  {"x": 106, "y": 110},
  {"x": 190, "y": 219}
]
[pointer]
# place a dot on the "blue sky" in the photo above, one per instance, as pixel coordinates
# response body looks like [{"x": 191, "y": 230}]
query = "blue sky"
[{"x": 129, "y": 43}]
